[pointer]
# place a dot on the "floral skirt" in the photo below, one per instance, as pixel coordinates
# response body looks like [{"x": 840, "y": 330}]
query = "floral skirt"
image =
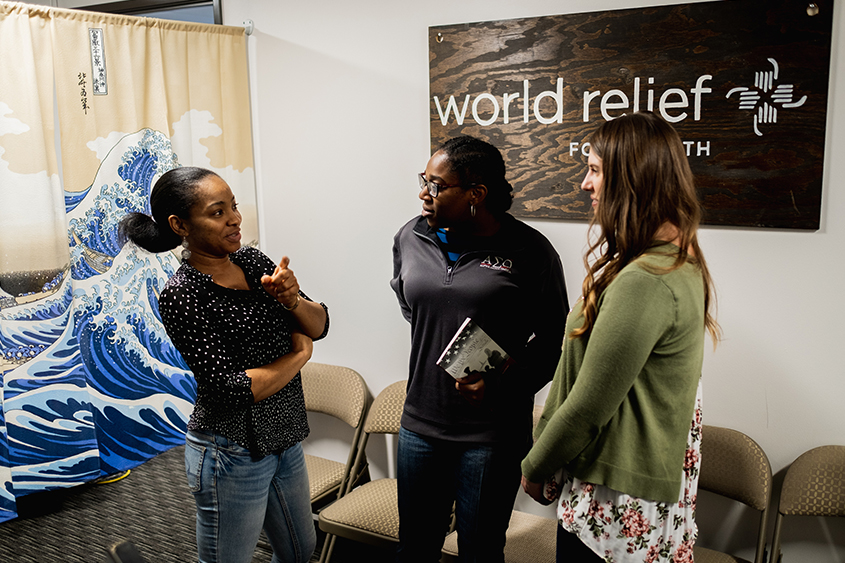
[{"x": 623, "y": 529}]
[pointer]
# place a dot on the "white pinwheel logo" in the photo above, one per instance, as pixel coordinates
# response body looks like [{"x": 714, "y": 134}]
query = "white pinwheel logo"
[{"x": 775, "y": 95}]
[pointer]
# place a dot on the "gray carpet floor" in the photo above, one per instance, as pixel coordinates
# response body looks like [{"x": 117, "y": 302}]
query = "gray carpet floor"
[{"x": 151, "y": 507}]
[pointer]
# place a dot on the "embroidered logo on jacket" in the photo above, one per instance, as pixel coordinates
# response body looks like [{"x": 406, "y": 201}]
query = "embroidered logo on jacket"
[{"x": 497, "y": 263}]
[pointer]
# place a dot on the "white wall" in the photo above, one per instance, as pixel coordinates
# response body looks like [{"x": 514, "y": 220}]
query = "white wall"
[{"x": 340, "y": 116}]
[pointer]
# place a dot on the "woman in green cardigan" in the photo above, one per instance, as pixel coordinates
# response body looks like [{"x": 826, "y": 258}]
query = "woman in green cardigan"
[{"x": 618, "y": 443}]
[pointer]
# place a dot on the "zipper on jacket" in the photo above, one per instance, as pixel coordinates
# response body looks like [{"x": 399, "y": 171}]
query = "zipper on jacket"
[{"x": 450, "y": 270}]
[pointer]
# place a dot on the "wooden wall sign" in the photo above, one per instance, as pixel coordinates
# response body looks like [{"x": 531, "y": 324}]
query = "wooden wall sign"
[{"x": 745, "y": 83}]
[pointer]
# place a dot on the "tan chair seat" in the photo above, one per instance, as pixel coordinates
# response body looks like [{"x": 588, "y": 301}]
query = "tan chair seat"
[
  {"x": 324, "y": 475},
  {"x": 368, "y": 514},
  {"x": 704, "y": 555},
  {"x": 530, "y": 538}
]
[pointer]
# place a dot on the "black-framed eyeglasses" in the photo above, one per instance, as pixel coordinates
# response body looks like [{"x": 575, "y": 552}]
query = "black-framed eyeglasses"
[{"x": 433, "y": 187}]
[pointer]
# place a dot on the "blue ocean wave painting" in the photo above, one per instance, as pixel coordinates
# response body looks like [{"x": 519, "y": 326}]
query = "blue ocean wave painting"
[
  {"x": 91, "y": 383},
  {"x": 73, "y": 199}
]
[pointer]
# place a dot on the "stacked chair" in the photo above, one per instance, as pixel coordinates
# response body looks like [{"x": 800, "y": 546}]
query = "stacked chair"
[
  {"x": 814, "y": 485},
  {"x": 735, "y": 466},
  {"x": 370, "y": 512}
]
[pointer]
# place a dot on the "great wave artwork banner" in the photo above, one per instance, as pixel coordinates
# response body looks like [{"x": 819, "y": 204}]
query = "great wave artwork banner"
[{"x": 91, "y": 383}]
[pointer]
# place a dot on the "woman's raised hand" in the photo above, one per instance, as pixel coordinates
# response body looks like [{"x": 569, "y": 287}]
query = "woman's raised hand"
[{"x": 282, "y": 284}]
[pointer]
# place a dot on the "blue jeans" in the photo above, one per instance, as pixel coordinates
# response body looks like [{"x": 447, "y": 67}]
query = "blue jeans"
[
  {"x": 237, "y": 495},
  {"x": 480, "y": 479}
]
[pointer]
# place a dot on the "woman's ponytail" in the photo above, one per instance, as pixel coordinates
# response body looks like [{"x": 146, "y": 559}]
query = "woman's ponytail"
[
  {"x": 173, "y": 194},
  {"x": 144, "y": 231}
]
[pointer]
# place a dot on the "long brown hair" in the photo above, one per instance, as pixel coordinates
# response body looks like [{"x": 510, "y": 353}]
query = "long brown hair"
[{"x": 647, "y": 182}]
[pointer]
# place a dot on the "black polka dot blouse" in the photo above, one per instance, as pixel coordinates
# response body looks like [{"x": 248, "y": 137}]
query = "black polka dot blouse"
[{"x": 221, "y": 332}]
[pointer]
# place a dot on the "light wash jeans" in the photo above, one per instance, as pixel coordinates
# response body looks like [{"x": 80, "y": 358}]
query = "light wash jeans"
[
  {"x": 237, "y": 495},
  {"x": 481, "y": 479}
]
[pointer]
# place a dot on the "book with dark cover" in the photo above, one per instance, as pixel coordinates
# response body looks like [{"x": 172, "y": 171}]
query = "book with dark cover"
[{"x": 471, "y": 350}]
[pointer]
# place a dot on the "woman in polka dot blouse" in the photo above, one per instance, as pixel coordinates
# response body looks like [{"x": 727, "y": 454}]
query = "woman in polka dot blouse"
[{"x": 245, "y": 329}]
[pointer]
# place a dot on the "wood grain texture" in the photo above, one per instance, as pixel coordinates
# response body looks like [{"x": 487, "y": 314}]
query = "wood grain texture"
[{"x": 744, "y": 179}]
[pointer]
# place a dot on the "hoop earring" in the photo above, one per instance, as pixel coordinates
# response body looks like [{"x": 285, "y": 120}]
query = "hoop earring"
[
  {"x": 186, "y": 254},
  {"x": 472, "y": 209}
]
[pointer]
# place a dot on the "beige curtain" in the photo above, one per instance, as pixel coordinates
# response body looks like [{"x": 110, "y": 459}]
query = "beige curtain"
[
  {"x": 92, "y": 385},
  {"x": 31, "y": 202},
  {"x": 186, "y": 81}
]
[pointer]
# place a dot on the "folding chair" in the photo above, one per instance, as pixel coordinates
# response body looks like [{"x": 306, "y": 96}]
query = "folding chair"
[
  {"x": 735, "y": 466},
  {"x": 369, "y": 513},
  {"x": 814, "y": 485},
  {"x": 342, "y": 393}
]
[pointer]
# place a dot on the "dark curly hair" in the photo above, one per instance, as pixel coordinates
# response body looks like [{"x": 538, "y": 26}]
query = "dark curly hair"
[{"x": 478, "y": 162}]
